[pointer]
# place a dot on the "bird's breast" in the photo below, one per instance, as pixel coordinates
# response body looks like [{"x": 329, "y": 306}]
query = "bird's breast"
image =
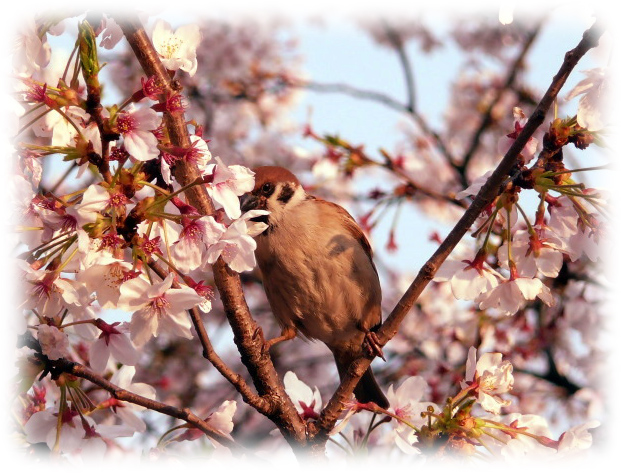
[{"x": 318, "y": 277}]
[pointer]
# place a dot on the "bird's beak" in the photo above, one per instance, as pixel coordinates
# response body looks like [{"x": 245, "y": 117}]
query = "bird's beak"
[{"x": 248, "y": 202}]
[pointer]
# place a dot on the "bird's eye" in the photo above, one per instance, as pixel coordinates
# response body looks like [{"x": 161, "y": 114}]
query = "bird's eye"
[{"x": 267, "y": 189}]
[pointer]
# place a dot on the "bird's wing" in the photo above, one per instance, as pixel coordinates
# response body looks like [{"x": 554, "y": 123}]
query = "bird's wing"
[{"x": 351, "y": 225}]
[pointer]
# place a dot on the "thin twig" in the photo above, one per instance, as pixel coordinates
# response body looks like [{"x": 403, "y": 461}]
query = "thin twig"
[
  {"x": 121, "y": 394},
  {"x": 487, "y": 117},
  {"x": 210, "y": 354},
  {"x": 485, "y": 196}
]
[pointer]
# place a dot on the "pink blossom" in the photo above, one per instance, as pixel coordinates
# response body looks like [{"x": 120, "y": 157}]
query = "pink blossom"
[
  {"x": 157, "y": 308},
  {"x": 111, "y": 34},
  {"x": 230, "y": 182},
  {"x": 45, "y": 291},
  {"x": 64, "y": 133},
  {"x": 577, "y": 438},
  {"x": 468, "y": 277},
  {"x": 43, "y": 427},
  {"x": 198, "y": 153},
  {"x": 190, "y": 250},
  {"x": 177, "y": 50},
  {"x": 112, "y": 341},
  {"x": 511, "y": 295},
  {"x": 31, "y": 51},
  {"x": 489, "y": 377},
  {"x": 592, "y": 113},
  {"x": 529, "y": 150},
  {"x": 532, "y": 254},
  {"x": 136, "y": 126},
  {"x": 407, "y": 403},
  {"x": 586, "y": 241},
  {"x": 520, "y": 446},
  {"x": 306, "y": 401},
  {"x": 563, "y": 217},
  {"x": 54, "y": 343},
  {"x": 474, "y": 188},
  {"x": 222, "y": 418},
  {"x": 127, "y": 411},
  {"x": 104, "y": 276},
  {"x": 236, "y": 244},
  {"x": 94, "y": 201}
]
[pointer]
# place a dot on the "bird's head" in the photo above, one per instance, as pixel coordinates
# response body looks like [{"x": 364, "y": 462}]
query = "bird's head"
[{"x": 276, "y": 190}]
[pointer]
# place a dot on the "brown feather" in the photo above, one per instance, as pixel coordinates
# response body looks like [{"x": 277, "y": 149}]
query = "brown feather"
[
  {"x": 318, "y": 272},
  {"x": 352, "y": 227},
  {"x": 273, "y": 174}
]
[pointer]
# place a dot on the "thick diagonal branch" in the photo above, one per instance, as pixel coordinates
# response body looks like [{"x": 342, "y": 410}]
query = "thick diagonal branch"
[
  {"x": 485, "y": 196},
  {"x": 247, "y": 335}
]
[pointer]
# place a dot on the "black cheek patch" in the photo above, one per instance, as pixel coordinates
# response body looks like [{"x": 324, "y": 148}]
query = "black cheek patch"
[
  {"x": 260, "y": 218},
  {"x": 286, "y": 193}
]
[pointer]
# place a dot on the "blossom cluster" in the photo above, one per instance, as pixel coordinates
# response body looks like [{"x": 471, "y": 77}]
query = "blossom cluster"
[
  {"x": 91, "y": 251},
  {"x": 471, "y": 421},
  {"x": 112, "y": 256}
]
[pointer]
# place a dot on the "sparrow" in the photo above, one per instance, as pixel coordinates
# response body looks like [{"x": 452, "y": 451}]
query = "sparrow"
[{"x": 318, "y": 273}]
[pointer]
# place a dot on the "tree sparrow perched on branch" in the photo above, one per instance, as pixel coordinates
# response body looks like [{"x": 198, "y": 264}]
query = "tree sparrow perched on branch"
[{"x": 318, "y": 272}]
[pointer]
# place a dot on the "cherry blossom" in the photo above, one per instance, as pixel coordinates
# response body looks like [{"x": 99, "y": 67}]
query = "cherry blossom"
[
  {"x": 136, "y": 125},
  {"x": 62, "y": 128},
  {"x": 222, "y": 418},
  {"x": 406, "y": 402},
  {"x": 32, "y": 52},
  {"x": 111, "y": 246},
  {"x": 529, "y": 150},
  {"x": 54, "y": 343},
  {"x": 190, "y": 250},
  {"x": 577, "y": 438},
  {"x": 520, "y": 446},
  {"x": 306, "y": 401},
  {"x": 177, "y": 50},
  {"x": 474, "y": 188},
  {"x": 43, "y": 427},
  {"x": 104, "y": 276},
  {"x": 198, "y": 153},
  {"x": 229, "y": 182},
  {"x": 592, "y": 115},
  {"x": 94, "y": 201},
  {"x": 511, "y": 294},
  {"x": 533, "y": 253},
  {"x": 157, "y": 308},
  {"x": 112, "y": 341},
  {"x": 128, "y": 412},
  {"x": 489, "y": 377},
  {"x": 112, "y": 33},
  {"x": 46, "y": 291},
  {"x": 468, "y": 277},
  {"x": 236, "y": 244}
]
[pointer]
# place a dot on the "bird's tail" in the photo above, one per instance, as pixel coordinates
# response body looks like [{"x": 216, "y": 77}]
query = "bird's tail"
[{"x": 367, "y": 389}]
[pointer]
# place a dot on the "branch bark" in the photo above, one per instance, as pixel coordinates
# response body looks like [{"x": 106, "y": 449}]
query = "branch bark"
[
  {"x": 487, "y": 119},
  {"x": 320, "y": 430},
  {"x": 247, "y": 334},
  {"x": 121, "y": 394}
]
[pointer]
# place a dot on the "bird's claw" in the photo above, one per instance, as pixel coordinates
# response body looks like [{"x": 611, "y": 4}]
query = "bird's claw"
[
  {"x": 287, "y": 334},
  {"x": 372, "y": 345}
]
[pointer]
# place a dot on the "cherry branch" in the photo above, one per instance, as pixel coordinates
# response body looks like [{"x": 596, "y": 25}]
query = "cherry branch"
[
  {"x": 487, "y": 118},
  {"x": 248, "y": 336},
  {"x": 210, "y": 354},
  {"x": 81, "y": 371},
  {"x": 329, "y": 416}
]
